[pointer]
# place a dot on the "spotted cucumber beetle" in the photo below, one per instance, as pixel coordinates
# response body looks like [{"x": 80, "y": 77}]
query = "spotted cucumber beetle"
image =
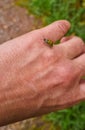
[{"x": 49, "y": 42}]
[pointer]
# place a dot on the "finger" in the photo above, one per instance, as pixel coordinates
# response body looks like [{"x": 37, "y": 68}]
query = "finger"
[
  {"x": 82, "y": 90},
  {"x": 73, "y": 47},
  {"x": 80, "y": 63},
  {"x": 77, "y": 94},
  {"x": 55, "y": 30},
  {"x": 64, "y": 39}
]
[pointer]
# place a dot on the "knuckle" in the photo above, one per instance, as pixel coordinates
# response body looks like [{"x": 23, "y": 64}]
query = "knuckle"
[
  {"x": 80, "y": 44},
  {"x": 80, "y": 41},
  {"x": 48, "y": 55},
  {"x": 67, "y": 74}
]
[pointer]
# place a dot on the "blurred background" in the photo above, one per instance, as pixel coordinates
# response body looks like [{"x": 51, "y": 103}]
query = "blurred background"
[{"x": 20, "y": 16}]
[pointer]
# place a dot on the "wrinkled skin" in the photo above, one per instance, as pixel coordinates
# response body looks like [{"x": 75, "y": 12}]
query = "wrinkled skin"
[{"x": 37, "y": 79}]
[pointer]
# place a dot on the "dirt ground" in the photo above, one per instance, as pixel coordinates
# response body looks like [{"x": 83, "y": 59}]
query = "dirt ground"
[{"x": 14, "y": 21}]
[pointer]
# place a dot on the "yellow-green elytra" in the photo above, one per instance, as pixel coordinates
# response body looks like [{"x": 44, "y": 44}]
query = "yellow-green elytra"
[{"x": 49, "y": 42}]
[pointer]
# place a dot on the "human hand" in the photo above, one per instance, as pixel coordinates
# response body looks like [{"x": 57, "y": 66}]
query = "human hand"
[{"x": 37, "y": 79}]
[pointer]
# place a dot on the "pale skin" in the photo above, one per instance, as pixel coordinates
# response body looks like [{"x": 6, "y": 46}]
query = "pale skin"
[{"x": 36, "y": 79}]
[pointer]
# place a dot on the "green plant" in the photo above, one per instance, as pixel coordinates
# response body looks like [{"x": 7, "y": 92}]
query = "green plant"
[
  {"x": 51, "y": 10},
  {"x": 69, "y": 119}
]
